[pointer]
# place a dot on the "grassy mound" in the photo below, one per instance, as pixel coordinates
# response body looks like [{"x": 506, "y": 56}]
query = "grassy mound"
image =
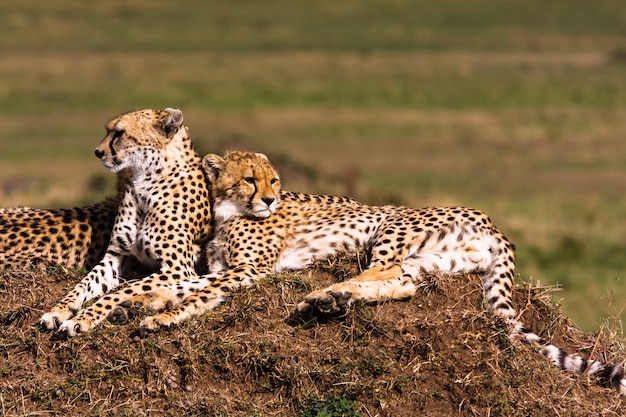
[{"x": 439, "y": 353}]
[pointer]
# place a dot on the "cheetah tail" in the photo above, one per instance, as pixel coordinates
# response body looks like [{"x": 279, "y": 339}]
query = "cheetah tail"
[{"x": 571, "y": 362}]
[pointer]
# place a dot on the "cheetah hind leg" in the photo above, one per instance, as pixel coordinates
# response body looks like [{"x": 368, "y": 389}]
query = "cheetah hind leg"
[{"x": 375, "y": 284}]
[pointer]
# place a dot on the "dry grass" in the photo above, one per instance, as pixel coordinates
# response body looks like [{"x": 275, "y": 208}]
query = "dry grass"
[{"x": 438, "y": 354}]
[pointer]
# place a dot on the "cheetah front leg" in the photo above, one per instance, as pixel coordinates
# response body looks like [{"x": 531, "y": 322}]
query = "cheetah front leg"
[
  {"x": 158, "y": 298},
  {"x": 105, "y": 275},
  {"x": 98, "y": 281},
  {"x": 212, "y": 295},
  {"x": 89, "y": 317},
  {"x": 375, "y": 284},
  {"x": 193, "y": 306}
]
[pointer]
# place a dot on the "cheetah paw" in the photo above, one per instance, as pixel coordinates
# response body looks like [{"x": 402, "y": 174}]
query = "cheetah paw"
[
  {"x": 152, "y": 324},
  {"x": 124, "y": 312},
  {"x": 325, "y": 303},
  {"x": 70, "y": 328},
  {"x": 53, "y": 320}
]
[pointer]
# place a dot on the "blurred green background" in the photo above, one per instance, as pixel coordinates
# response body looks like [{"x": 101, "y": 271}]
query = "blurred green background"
[{"x": 514, "y": 107}]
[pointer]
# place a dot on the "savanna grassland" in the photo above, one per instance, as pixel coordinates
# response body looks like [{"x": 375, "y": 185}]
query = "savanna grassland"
[{"x": 516, "y": 108}]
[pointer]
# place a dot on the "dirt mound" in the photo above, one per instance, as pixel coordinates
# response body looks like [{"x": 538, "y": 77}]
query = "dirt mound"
[{"x": 439, "y": 353}]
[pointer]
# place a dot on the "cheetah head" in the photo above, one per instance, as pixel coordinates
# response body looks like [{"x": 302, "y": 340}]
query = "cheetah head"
[
  {"x": 134, "y": 138},
  {"x": 242, "y": 184}
]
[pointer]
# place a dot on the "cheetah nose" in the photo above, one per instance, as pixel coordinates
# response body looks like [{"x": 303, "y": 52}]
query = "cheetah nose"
[
  {"x": 99, "y": 153},
  {"x": 268, "y": 200}
]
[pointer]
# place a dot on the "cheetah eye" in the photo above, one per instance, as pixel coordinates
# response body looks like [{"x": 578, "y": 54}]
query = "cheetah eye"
[
  {"x": 117, "y": 134},
  {"x": 249, "y": 180},
  {"x": 274, "y": 181}
]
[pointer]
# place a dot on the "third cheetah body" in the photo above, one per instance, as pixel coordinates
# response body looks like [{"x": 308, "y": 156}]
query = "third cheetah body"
[{"x": 75, "y": 238}]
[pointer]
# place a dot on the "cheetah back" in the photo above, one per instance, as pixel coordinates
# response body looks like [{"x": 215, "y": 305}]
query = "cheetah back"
[{"x": 76, "y": 237}]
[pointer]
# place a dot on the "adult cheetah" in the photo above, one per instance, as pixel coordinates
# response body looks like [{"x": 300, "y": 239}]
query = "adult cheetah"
[
  {"x": 163, "y": 215},
  {"x": 260, "y": 230},
  {"x": 76, "y": 237}
]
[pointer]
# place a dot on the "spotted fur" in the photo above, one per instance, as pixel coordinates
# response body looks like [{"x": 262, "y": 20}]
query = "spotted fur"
[
  {"x": 76, "y": 237},
  {"x": 164, "y": 213},
  {"x": 403, "y": 243}
]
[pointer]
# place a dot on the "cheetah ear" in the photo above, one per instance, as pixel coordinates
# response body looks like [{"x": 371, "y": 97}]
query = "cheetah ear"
[
  {"x": 173, "y": 121},
  {"x": 262, "y": 156},
  {"x": 213, "y": 165}
]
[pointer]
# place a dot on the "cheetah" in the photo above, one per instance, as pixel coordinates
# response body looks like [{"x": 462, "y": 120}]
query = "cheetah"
[
  {"x": 260, "y": 230},
  {"x": 163, "y": 215},
  {"x": 75, "y": 238}
]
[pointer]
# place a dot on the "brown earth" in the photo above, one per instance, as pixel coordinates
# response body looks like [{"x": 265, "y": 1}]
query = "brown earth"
[{"x": 439, "y": 353}]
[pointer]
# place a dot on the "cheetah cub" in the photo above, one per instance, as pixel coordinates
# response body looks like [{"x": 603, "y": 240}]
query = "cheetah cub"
[
  {"x": 164, "y": 213},
  {"x": 261, "y": 230}
]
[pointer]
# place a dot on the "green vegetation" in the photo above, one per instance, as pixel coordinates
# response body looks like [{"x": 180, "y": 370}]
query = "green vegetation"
[
  {"x": 517, "y": 108},
  {"x": 334, "y": 406}
]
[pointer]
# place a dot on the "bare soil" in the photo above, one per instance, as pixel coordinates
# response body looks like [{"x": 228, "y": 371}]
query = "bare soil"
[{"x": 439, "y": 353}]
